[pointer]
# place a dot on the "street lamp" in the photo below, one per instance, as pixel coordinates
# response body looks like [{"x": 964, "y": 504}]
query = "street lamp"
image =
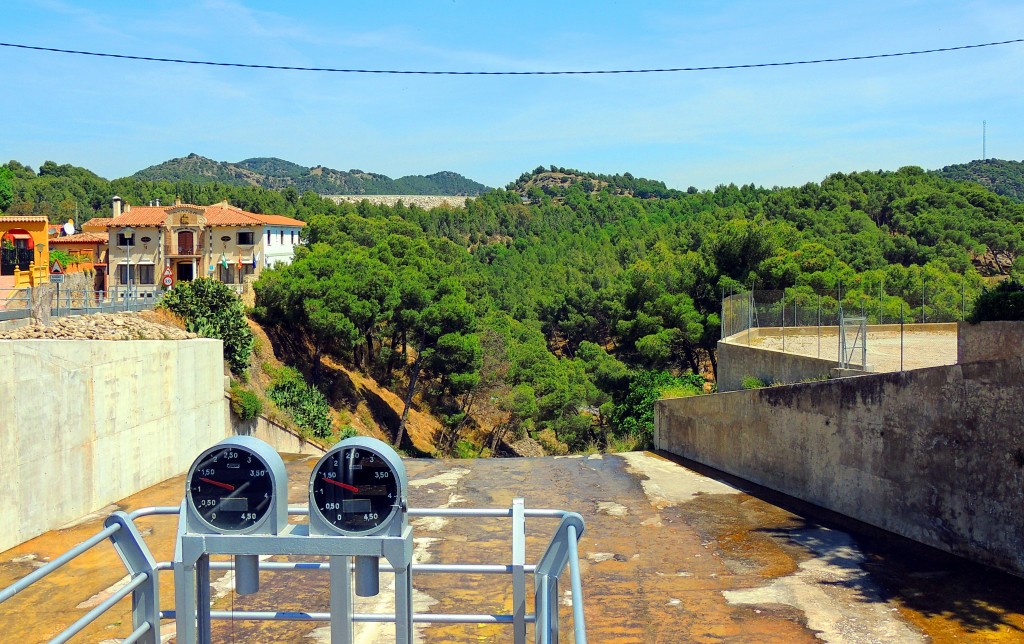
[{"x": 128, "y": 234}]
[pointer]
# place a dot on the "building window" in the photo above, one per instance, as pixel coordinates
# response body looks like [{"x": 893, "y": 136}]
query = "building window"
[
  {"x": 293, "y": 238},
  {"x": 125, "y": 241},
  {"x": 226, "y": 274},
  {"x": 268, "y": 238},
  {"x": 125, "y": 273},
  {"x": 282, "y": 237},
  {"x": 245, "y": 238},
  {"x": 146, "y": 274}
]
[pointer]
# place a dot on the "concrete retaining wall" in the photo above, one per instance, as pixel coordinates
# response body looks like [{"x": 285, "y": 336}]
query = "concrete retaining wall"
[
  {"x": 736, "y": 362},
  {"x": 85, "y": 423},
  {"x": 936, "y": 455},
  {"x": 280, "y": 438},
  {"x": 989, "y": 341}
]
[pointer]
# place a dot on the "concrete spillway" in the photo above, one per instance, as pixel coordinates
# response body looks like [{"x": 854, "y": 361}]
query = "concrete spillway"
[{"x": 669, "y": 555}]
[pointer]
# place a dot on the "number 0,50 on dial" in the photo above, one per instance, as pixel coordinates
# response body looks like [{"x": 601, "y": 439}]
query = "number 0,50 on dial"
[{"x": 355, "y": 490}]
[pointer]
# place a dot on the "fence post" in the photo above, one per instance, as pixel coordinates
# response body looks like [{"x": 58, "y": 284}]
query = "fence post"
[{"x": 137, "y": 559}]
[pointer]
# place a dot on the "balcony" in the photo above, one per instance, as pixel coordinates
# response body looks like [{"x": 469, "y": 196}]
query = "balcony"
[{"x": 182, "y": 250}]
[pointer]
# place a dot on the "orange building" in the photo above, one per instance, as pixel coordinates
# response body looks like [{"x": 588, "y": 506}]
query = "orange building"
[{"x": 24, "y": 254}]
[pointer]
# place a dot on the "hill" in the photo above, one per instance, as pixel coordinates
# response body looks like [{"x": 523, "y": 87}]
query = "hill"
[
  {"x": 554, "y": 181},
  {"x": 1001, "y": 177},
  {"x": 277, "y": 174}
]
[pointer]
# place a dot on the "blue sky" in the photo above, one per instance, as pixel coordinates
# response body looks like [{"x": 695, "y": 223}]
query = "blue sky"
[{"x": 776, "y": 126}]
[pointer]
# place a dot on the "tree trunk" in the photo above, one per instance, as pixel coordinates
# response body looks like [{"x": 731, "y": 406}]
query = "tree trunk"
[{"x": 413, "y": 377}]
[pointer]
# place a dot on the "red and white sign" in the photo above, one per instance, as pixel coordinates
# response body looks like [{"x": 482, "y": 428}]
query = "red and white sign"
[
  {"x": 167, "y": 279},
  {"x": 56, "y": 269}
]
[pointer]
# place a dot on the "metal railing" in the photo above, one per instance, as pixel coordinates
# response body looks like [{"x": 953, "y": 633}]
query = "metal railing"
[
  {"x": 143, "y": 585},
  {"x": 15, "y": 303}
]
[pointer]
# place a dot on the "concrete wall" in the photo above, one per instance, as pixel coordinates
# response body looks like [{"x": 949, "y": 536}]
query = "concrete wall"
[
  {"x": 85, "y": 423},
  {"x": 936, "y": 455},
  {"x": 280, "y": 438},
  {"x": 736, "y": 362},
  {"x": 989, "y": 341}
]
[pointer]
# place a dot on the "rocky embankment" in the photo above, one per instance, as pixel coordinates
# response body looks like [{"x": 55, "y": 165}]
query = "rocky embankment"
[{"x": 101, "y": 326}]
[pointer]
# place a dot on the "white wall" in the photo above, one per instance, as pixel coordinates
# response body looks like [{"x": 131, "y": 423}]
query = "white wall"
[
  {"x": 275, "y": 250},
  {"x": 85, "y": 423}
]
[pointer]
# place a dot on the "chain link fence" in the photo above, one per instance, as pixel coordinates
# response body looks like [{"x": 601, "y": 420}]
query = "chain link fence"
[{"x": 842, "y": 326}]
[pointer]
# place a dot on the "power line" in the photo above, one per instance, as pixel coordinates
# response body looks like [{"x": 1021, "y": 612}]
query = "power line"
[{"x": 508, "y": 73}]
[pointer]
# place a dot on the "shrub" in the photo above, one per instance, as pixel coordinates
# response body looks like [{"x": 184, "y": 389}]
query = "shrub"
[
  {"x": 306, "y": 404},
  {"x": 465, "y": 449},
  {"x": 211, "y": 309},
  {"x": 348, "y": 431},
  {"x": 1003, "y": 302},
  {"x": 245, "y": 403},
  {"x": 634, "y": 416},
  {"x": 549, "y": 441},
  {"x": 753, "y": 382}
]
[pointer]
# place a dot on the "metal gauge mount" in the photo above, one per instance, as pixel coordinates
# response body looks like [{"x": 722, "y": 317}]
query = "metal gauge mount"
[
  {"x": 238, "y": 486},
  {"x": 358, "y": 488}
]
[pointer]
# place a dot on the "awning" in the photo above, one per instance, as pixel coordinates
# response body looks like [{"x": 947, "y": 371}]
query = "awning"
[{"x": 18, "y": 236}]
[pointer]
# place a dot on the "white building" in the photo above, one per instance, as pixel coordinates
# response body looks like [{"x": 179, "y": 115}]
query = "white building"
[{"x": 280, "y": 237}]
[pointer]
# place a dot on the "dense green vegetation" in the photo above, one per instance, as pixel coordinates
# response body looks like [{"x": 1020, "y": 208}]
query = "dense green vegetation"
[
  {"x": 560, "y": 307},
  {"x": 1003, "y": 302},
  {"x": 304, "y": 403},
  {"x": 212, "y": 310},
  {"x": 1001, "y": 177}
]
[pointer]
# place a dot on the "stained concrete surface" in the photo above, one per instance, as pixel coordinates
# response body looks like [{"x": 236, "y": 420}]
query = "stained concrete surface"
[{"x": 668, "y": 555}]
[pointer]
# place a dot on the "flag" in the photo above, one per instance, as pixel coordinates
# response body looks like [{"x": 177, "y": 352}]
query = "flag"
[
  {"x": 238, "y": 262},
  {"x": 223, "y": 260},
  {"x": 255, "y": 258}
]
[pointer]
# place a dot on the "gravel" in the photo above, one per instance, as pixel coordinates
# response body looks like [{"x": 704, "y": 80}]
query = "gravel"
[{"x": 99, "y": 326}]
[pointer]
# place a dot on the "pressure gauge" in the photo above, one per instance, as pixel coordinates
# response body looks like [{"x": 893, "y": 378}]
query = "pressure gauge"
[
  {"x": 358, "y": 488},
  {"x": 238, "y": 486}
]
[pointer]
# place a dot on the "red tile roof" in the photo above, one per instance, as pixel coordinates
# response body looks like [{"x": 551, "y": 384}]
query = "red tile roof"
[
  {"x": 33, "y": 219},
  {"x": 280, "y": 220},
  {"x": 98, "y": 222},
  {"x": 80, "y": 238},
  {"x": 141, "y": 216}
]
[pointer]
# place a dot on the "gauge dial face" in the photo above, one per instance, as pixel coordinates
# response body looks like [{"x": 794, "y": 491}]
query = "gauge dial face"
[
  {"x": 231, "y": 488},
  {"x": 355, "y": 489}
]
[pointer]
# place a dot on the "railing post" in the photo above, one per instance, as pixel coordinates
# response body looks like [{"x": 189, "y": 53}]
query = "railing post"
[
  {"x": 138, "y": 560},
  {"x": 518, "y": 571}
]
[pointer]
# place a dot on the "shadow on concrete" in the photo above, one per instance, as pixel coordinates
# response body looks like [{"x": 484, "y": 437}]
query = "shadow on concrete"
[{"x": 883, "y": 566}]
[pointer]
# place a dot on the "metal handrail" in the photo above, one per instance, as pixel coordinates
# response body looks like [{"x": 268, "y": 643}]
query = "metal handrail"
[{"x": 562, "y": 550}]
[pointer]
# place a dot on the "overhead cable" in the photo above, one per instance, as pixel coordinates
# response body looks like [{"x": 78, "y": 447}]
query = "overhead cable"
[{"x": 508, "y": 73}]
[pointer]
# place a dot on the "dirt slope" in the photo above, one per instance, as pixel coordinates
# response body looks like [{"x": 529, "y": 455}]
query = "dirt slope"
[{"x": 357, "y": 400}]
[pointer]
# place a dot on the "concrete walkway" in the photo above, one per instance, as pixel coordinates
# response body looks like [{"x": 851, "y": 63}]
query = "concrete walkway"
[{"x": 669, "y": 555}]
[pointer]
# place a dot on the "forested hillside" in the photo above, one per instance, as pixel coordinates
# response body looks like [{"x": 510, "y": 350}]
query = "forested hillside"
[
  {"x": 1001, "y": 177},
  {"x": 559, "y": 308},
  {"x": 277, "y": 174}
]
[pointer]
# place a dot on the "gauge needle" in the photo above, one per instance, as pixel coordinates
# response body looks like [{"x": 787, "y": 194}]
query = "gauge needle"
[
  {"x": 229, "y": 488},
  {"x": 350, "y": 488}
]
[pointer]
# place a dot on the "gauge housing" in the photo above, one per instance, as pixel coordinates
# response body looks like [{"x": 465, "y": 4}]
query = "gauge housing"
[
  {"x": 238, "y": 486},
  {"x": 359, "y": 487}
]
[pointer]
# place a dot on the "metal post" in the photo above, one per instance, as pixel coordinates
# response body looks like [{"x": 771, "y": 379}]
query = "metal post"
[
  {"x": 783, "y": 320},
  {"x": 132, "y": 550},
  {"x": 341, "y": 599},
  {"x": 901, "y": 336},
  {"x": 819, "y": 326},
  {"x": 518, "y": 571}
]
